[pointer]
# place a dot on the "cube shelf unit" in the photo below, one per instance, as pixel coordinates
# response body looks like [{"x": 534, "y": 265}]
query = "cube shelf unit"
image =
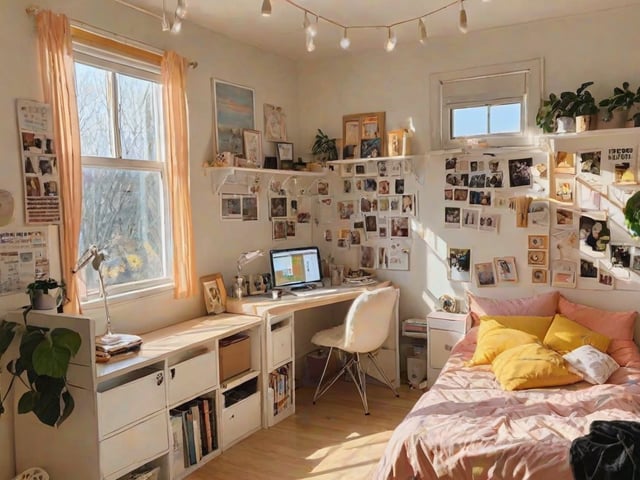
[
  {"x": 279, "y": 402},
  {"x": 128, "y": 412}
]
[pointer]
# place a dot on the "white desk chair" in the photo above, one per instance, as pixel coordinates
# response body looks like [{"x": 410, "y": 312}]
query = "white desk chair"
[
  {"x": 35, "y": 473},
  {"x": 364, "y": 331}
]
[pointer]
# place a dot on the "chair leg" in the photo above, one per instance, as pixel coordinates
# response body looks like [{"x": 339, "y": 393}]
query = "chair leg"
[
  {"x": 384, "y": 375},
  {"x": 361, "y": 382},
  {"x": 320, "y": 389}
]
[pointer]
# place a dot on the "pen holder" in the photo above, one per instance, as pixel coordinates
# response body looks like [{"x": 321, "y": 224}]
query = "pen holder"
[{"x": 337, "y": 275}]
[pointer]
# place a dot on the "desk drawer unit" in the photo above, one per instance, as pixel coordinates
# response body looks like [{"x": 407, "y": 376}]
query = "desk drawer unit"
[
  {"x": 444, "y": 330},
  {"x": 192, "y": 377},
  {"x": 130, "y": 402},
  {"x": 240, "y": 419},
  {"x": 280, "y": 348}
]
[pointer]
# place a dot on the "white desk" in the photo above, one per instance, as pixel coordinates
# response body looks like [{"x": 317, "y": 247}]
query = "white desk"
[{"x": 279, "y": 353}]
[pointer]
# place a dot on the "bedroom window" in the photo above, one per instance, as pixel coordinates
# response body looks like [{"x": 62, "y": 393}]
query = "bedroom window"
[
  {"x": 495, "y": 104},
  {"x": 124, "y": 192}
]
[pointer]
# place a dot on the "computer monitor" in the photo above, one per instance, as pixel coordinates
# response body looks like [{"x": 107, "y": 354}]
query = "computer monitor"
[{"x": 295, "y": 267}]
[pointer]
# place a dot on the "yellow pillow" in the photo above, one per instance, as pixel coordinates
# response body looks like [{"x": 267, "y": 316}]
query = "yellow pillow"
[
  {"x": 537, "y": 326},
  {"x": 494, "y": 338},
  {"x": 531, "y": 366},
  {"x": 565, "y": 335}
]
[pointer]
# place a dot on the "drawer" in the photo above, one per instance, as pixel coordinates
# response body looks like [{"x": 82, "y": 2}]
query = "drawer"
[
  {"x": 127, "y": 403},
  {"x": 444, "y": 324},
  {"x": 281, "y": 350},
  {"x": 240, "y": 419},
  {"x": 134, "y": 447},
  {"x": 440, "y": 344},
  {"x": 192, "y": 377}
]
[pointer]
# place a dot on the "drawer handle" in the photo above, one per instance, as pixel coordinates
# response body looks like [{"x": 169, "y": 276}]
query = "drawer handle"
[
  {"x": 173, "y": 373},
  {"x": 159, "y": 378},
  {"x": 448, "y": 347},
  {"x": 233, "y": 416}
]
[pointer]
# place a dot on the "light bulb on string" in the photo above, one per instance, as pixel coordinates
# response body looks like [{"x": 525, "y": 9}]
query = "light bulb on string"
[
  {"x": 344, "y": 41},
  {"x": 177, "y": 26},
  {"x": 310, "y": 43},
  {"x": 181, "y": 9},
  {"x": 462, "y": 24},
  {"x": 390, "y": 44},
  {"x": 312, "y": 28},
  {"x": 266, "y": 8},
  {"x": 422, "y": 31}
]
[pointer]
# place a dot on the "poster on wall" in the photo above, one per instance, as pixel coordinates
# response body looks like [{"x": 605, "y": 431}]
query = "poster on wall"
[
  {"x": 23, "y": 258},
  {"x": 41, "y": 179}
]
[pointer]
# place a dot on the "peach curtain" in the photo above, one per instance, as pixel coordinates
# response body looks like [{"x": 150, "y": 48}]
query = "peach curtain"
[
  {"x": 174, "y": 102},
  {"x": 58, "y": 82}
]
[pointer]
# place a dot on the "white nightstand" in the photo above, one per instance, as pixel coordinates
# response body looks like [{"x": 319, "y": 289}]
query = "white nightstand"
[{"x": 444, "y": 329}]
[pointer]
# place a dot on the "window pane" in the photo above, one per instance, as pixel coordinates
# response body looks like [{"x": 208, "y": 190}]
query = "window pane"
[
  {"x": 138, "y": 118},
  {"x": 505, "y": 118},
  {"x": 466, "y": 122},
  {"x": 94, "y": 107},
  {"x": 123, "y": 213}
]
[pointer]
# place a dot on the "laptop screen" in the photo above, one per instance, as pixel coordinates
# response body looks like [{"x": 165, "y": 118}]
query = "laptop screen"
[{"x": 295, "y": 266}]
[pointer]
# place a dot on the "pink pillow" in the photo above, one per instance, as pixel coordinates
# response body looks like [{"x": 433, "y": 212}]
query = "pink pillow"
[
  {"x": 543, "y": 305},
  {"x": 615, "y": 325},
  {"x": 625, "y": 353}
]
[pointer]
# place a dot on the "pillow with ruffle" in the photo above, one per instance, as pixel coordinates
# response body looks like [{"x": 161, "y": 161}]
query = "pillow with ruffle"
[{"x": 594, "y": 366}]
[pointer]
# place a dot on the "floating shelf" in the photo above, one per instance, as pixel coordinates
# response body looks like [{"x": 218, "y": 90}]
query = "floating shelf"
[
  {"x": 371, "y": 159},
  {"x": 221, "y": 174}
]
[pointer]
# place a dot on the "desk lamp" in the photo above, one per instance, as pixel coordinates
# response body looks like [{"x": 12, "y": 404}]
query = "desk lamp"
[
  {"x": 96, "y": 257},
  {"x": 244, "y": 259}
]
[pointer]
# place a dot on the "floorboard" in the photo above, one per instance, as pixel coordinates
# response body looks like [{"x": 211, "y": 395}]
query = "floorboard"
[{"x": 332, "y": 439}]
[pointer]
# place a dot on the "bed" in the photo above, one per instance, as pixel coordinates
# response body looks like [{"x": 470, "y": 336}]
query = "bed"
[{"x": 468, "y": 427}]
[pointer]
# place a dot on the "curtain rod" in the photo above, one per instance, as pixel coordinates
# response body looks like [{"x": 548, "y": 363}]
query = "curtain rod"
[{"x": 34, "y": 10}]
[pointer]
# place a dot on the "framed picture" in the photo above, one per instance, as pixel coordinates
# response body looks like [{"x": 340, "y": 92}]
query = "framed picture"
[
  {"x": 275, "y": 123},
  {"x": 257, "y": 284},
  {"x": 234, "y": 110},
  {"x": 231, "y": 206},
  {"x": 363, "y": 132},
  {"x": 252, "y": 146},
  {"x": 539, "y": 276},
  {"x": 537, "y": 258},
  {"x": 485, "y": 274},
  {"x": 284, "y": 151},
  {"x": 506, "y": 269},
  {"x": 398, "y": 143},
  {"x": 564, "y": 274},
  {"x": 215, "y": 293},
  {"x": 538, "y": 242},
  {"x": 459, "y": 264}
]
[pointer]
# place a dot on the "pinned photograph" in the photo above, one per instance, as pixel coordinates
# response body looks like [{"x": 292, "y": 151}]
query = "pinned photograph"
[
  {"x": 346, "y": 170},
  {"x": 564, "y": 217},
  {"x": 459, "y": 260},
  {"x": 346, "y": 209},
  {"x": 323, "y": 187},
  {"x": 347, "y": 185},
  {"x": 506, "y": 269},
  {"x": 399, "y": 227},
  {"x": 565, "y": 188},
  {"x": 394, "y": 204},
  {"x": 537, "y": 258},
  {"x": 620, "y": 255},
  {"x": 470, "y": 218},
  {"x": 450, "y": 163},
  {"x": 231, "y": 207},
  {"x": 398, "y": 257},
  {"x": 635, "y": 263},
  {"x": 291, "y": 228},
  {"x": 278, "y": 207},
  {"x": 563, "y": 273},
  {"x": 480, "y": 197},
  {"x": 594, "y": 233},
  {"x": 589, "y": 162},
  {"x": 279, "y": 229},
  {"x": 485, "y": 275},
  {"x": 452, "y": 217},
  {"x": 460, "y": 194},
  {"x": 383, "y": 204},
  {"x": 564, "y": 162},
  {"x": 383, "y": 187},
  {"x": 540, "y": 242},
  {"x": 408, "y": 204},
  {"x": 519, "y": 172},
  {"x": 381, "y": 165},
  {"x": 477, "y": 181},
  {"x": 367, "y": 257},
  {"x": 538, "y": 213},
  {"x": 399, "y": 186},
  {"x": 494, "y": 180},
  {"x": 539, "y": 276},
  {"x": 457, "y": 179},
  {"x": 588, "y": 269},
  {"x": 395, "y": 168},
  {"x": 360, "y": 169},
  {"x": 489, "y": 222},
  {"x": 370, "y": 185}
]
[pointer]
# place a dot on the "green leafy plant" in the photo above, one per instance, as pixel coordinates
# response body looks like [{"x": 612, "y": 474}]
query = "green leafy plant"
[
  {"x": 632, "y": 214},
  {"x": 41, "y": 366},
  {"x": 568, "y": 104},
  {"x": 622, "y": 98},
  {"x": 44, "y": 286},
  {"x": 324, "y": 145}
]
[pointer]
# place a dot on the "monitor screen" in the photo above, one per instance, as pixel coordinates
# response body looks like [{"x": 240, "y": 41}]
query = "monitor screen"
[{"x": 295, "y": 266}]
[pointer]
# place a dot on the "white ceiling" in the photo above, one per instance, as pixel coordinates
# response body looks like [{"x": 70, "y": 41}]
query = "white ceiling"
[{"x": 282, "y": 32}]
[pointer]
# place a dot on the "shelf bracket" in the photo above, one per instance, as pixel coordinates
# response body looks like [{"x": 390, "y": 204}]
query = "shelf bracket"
[{"x": 221, "y": 183}]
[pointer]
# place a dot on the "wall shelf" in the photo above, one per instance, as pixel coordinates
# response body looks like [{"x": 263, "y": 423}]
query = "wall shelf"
[
  {"x": 370, "y": 159},
  {"x": 220, "y": 175}
]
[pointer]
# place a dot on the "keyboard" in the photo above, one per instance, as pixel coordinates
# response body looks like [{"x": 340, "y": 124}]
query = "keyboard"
[{"x": 313, "y": 292}]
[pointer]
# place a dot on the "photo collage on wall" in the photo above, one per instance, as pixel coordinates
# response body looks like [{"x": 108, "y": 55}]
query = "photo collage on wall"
[
  {"x": 591, "y": 247},
  {"x": 373, "y": 208}
]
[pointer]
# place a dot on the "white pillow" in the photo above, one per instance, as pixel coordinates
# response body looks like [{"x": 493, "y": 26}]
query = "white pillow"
[{"x": 594, "y": 366}]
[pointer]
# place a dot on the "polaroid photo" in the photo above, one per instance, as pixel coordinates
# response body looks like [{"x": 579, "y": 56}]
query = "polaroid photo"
[
  {"x": 452, "y": 217},
  {"x": 485, "y": 274},
  {"x": 367, "y": 257},
  {"x": 460, "y": 194},
  {"x": 279, "y": 229},
  {"x": 537, "y": 258},
  {"x": 519, "y": 172},
  {"x": 538, "y": 242},
  {"x": 399, "y": 227},
  {"x": 563, "y": 273},
  {"x": 489, "y": 222},
  {"x": 506, "y": 269},
  {"x": 470, "y": 218},
  {"x": 231, "y": 206},
  {"x": 564, "y": 162},
  {"x": 346, "y": 209},
  {"x": 459, "y": 260},
  {"x": 539, "y": 276}
]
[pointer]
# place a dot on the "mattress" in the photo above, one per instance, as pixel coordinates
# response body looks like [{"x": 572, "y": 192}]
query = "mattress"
[{"x": 467, "y": 427}]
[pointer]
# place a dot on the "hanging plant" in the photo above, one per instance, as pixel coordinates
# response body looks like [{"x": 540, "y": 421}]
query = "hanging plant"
[{"x": 632, "y": 214}]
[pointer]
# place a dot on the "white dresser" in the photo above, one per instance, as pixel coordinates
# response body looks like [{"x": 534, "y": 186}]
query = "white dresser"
[{"x": 444, "y": 329}]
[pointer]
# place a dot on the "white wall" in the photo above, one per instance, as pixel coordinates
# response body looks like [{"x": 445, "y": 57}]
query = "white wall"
[
  {"x": 575, "y": 50},
  {"x": 217, "y": 244}
]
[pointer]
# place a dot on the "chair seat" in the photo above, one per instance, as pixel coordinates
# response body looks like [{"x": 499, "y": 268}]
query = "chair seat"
[{"x": 331, "y": 337}]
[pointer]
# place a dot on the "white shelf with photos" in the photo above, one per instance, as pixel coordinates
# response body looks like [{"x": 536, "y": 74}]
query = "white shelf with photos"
[
  {"x": 220, "y": 175},
  {"x": 347, "y": 161},
  {"x": 592, "y": 138}
]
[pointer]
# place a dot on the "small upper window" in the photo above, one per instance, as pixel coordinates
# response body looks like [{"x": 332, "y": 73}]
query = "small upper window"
[{"x": 496, "y": 104}]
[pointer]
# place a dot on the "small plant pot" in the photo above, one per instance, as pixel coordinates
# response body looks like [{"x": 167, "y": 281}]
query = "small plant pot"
[
  {"x": 586, "y": 122},
  {"x": 617, "y": 120},
  {"x": 42, "y": 301},
  {"x": 565, "y": 124}
]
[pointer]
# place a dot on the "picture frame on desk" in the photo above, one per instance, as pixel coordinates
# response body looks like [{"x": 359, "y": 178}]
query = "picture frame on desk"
[{"x": 215, "y": 293}]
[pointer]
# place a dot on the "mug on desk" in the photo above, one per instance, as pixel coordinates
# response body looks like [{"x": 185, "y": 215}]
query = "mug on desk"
[{"x": 337, "y": 275}]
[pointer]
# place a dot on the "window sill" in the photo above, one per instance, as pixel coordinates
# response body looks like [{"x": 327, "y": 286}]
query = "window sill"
[{"x": 122, "y": 298}]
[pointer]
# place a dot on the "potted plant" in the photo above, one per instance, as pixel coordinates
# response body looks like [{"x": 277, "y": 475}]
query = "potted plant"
[
  {"x": 586, "y": 109},
  {"x": 41, "y": 366},
  {"x": 559, "y": 113},
  {"x": 39, "y": 296},
  {"x": 325, "y": 147},
  {"x": 617, "y": 107},
  {"x": 632, "y": 214}
]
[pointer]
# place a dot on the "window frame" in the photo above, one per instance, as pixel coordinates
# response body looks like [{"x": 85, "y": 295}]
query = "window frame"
[
  {"x": 116, "y": 64},
  {"x": 440, "y": 110},
  {"x": 498, "y": 102}
]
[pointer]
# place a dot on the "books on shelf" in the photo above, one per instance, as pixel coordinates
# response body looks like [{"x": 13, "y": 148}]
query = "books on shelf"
[
  {"x": 193, "y": 426},
  {"x": 280, "y": 384}
]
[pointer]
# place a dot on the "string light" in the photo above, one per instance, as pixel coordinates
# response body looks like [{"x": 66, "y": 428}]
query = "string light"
[
  {"x": 181, "y": 9},
  {"x": 344, "y": 41},
  {"x": 311, "y": 29},
  {"x": 390, "y": 44},
  {"x": 266, "y": 8},
  {"x": 462, "y": 24},
  {"x": 422, "y": 32}
]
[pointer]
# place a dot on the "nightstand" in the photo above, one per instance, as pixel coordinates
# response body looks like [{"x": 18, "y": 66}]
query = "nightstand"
[{"x": 444, "y": 329}]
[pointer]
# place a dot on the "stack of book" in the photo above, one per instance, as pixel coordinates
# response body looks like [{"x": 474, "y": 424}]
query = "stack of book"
[
  {"x": 193, "y": 427},
  {"x": 280, "y": 383}
]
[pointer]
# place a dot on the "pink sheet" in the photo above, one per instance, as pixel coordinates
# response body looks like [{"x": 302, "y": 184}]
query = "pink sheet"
[{"x": 467, "y": 427}]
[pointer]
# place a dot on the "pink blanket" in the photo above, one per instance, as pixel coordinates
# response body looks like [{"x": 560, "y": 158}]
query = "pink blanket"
[{"x": 467, "y": 427}]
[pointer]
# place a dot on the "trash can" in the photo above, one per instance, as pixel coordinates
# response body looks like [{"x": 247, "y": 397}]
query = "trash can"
[{"x": 314, "y": 365}]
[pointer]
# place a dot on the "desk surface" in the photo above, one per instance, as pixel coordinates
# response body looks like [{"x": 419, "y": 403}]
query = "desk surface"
[{"x": 260, "y": 305}]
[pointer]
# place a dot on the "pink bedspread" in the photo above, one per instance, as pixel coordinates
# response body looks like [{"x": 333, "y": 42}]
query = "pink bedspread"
[{"x": 467, "y": 427}]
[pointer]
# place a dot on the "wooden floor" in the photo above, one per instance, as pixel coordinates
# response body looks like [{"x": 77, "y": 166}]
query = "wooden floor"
[{"x": 332, "y": 439}]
